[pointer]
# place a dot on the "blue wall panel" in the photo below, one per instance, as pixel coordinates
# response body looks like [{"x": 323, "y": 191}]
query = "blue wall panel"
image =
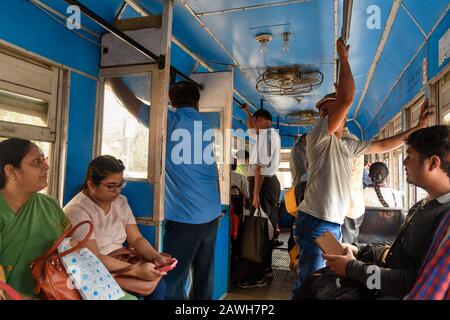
[
  {"x": 426, "y": 12},
  {"x": 141, "y": 206},
  {"x": 353, "y": 128},
  {"x": 80, "y": 142},
  {"x": 407, "y": 88},
  {"x": 24, "y": 25},
  {"x": 404, "y": 40}
]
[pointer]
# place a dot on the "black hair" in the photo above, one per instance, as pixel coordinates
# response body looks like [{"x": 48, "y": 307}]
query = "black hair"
[
  {"x": 100, "y": 168},
  {"x": 263, "y": 113},
  {"x": 302, "y": 139},
  {"x": 184, "y": 93},
  {"x": 432, "y": 141},
  {"x": 378, "y": 172},
  {"x": 12, "y": 151}
]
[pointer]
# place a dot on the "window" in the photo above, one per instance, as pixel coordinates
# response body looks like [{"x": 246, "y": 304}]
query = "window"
[
  {"x": 384, "y": 133},
  {"x": 284, "y": 171},
  {"x": 396, "y": 168},
  {"x": 31, "y": 104},
  {"x": 285, "y": 179},
  {"x": 123, "y": 136},
  {"x": 18, "y": 108},
  {"x": 412, "y": 119},
  {"x": 285, "y": 165},
  {"x": 444, "y": 99},
  {"x": 215, "y": 118}
]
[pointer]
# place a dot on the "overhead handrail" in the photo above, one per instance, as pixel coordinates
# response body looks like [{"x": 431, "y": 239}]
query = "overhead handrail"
[{"x": 159, "y": 59}]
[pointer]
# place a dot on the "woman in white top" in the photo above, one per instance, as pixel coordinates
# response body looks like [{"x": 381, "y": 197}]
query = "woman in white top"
[
  {"x": 378, "y": 194},
  {"x": 100, "y": 202}
]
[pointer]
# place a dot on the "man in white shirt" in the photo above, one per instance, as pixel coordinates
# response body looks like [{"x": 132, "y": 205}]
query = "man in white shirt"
[
  {"x": 355, "y": 215},
  {"x": 330, "y": 156},
  {"x": 264, "y": 185}
]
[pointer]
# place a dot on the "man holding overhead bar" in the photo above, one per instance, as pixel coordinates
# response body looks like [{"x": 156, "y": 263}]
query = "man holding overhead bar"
[{"x": 330, "y": 156}]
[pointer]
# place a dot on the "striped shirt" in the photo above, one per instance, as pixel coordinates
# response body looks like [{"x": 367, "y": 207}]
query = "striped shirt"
[{"x": 434, "y": 280}]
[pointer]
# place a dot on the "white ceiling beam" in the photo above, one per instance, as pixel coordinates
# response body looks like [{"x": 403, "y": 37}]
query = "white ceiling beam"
[
  {"x": 414, "y": 19},
  {"x": 260, "y": 6}
]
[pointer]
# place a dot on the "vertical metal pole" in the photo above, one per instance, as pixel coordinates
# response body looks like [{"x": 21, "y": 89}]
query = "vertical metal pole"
[
  {"x": 158, "y": 123},
  {"x": 345, "y": 31}
]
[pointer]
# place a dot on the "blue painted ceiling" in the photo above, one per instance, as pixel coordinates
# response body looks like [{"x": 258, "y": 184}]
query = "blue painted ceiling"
[{"x": 312, "y": 24}]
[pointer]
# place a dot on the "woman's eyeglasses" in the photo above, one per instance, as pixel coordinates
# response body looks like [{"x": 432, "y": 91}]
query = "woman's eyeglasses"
[{"x": 114, "y": 187}]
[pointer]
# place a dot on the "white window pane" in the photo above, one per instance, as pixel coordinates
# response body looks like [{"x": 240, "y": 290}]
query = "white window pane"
[
  {"x": 285, "y": 179},
  {"x": 284, "y": 165},
  {"x": 123, "y": 136},
  {"x": 446, "y": 119},
  {"x": 22, "y": 109}
]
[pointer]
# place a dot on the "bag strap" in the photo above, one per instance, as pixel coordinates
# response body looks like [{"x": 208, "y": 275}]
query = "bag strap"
[
  {"x": 129, "y": 267},
  {"x": 13, "y": 294},
  {"x": 257, "y": 210},
  {"x": 66, "y": 234},
  {"x": 80, "y": 244}
]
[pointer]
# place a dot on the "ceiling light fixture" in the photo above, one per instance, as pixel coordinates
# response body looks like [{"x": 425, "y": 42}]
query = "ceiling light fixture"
[{"x": 263, "y": 39}]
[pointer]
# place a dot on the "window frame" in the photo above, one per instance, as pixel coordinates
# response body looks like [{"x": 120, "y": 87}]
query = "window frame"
[
  {"x": 23, "y": 75},
  {"x": 114, "y": 72},
  {"x": 411, "y": 108}
]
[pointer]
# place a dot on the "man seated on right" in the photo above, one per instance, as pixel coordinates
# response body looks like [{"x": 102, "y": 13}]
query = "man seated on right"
[{"x": 427, "y": 167}]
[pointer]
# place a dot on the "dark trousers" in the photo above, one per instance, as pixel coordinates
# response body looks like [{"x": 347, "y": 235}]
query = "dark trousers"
[
  {"x": 350, "y": 229},
  {"x": 193, "y": 245},
  {"x": 269, "y": 197}
]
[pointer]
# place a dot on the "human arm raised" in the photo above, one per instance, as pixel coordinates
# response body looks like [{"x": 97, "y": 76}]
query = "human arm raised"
[
  {"x": 396, "y": 141},
  {"x": 345, "y": 90},
  {"x": 125, "y": 95}
]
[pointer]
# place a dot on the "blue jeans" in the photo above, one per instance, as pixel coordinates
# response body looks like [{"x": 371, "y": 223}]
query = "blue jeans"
[{"x": 306, "y": 228}]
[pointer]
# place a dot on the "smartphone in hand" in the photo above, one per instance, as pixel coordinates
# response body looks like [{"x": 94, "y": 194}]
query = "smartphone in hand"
[
  {"x": 328, "y": 243},
  {"x": 167, "y": 266}
]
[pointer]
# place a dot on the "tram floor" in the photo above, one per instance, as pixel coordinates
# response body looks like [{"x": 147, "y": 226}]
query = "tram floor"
[{"x": 279, "y": 287}]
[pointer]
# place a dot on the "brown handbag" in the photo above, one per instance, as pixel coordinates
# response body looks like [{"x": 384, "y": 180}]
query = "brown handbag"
[
  {"x": 128, "y": 283},
  {"x": 48, "y": 270}
]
